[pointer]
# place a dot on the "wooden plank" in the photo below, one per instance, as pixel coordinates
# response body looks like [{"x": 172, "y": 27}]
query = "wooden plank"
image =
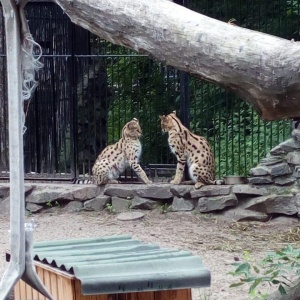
[
  {"x": 35, "y": 294},
  {"x": 17, "y": 290},
  {"x": 180, "y": 294},
  {"x": 161, "y": 295},
  {"x": 28, "y": 291},
  {"x": 54, "y": 270},
  {"x": 46, "y": 281},
  {"x": 54, "y": 285},
  {"x": 145, "y": 296},
  {"x": 66, "y": 288},
  {"x": 22, "y": 294}
]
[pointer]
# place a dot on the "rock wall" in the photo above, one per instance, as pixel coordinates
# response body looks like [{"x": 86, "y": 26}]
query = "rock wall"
[
  {"x": 237, "y": 202},
  {"x": 281, "y": 167}
]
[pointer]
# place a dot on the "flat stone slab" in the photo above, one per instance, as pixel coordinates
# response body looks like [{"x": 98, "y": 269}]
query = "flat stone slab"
[
  {"x": 123, "y": 191},
  {"x": 246, "y": 189},
  {"x": 241, "y": 214},
  {"x": 211, "y": 190},
  {"x": 155, "y": 191},
  {"x": 208, "y": 204},
  {"x": 130, "y": 216},
  {"x": 274, "y": 204}
]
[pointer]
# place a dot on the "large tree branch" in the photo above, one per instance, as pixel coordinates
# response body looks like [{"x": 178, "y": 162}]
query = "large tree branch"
[{"x": 262, "y": 69}]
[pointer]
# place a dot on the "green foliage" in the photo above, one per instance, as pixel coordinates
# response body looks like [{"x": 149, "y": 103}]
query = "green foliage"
[
  {"x": 275, "y": 269},
  {"x": 109, "y": 208},
  {"x": 164, "y": 208}
]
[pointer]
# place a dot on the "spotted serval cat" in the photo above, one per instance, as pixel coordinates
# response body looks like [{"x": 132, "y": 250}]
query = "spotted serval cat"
[
  {"x": 191, "y": 149},
  {"x": 113, "y": 160}
]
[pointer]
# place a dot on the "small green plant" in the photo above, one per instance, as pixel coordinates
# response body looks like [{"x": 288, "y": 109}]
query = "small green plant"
[
  {"x": 49, "y": 204},
  {"x": 275, "y": 269},
  {"x": 109, "y": 207},
  {"x": 164, "y": 208}
]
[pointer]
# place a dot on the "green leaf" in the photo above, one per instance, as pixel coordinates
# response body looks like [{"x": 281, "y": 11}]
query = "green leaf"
[
  {"x": 282, "y": 290},
  {"x": 236, "y": 284},
  {"x": 243, "y": 269}
]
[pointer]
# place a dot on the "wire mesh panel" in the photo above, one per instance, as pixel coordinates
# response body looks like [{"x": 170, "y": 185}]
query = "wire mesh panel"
[{"x": 238, "y": 136}]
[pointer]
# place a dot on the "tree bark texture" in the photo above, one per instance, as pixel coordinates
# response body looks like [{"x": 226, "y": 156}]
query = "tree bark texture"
[{"x": 260, "y": 68}]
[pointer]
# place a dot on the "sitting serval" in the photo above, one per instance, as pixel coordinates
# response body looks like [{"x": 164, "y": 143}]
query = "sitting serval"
[
  {"x": 191, "y": 149},
  {"x": 113, "y": 160}
]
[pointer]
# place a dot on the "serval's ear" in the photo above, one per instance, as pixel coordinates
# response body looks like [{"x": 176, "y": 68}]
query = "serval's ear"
[
  {"x": 162, "y": 117},
  {"x": 174, "y": 112},
  {"x": 130, "y": 125},
  {"x": 135, "y": 119}
]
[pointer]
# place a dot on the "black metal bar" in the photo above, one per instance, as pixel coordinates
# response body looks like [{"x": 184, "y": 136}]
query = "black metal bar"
[{"x": 73, "y": 108}]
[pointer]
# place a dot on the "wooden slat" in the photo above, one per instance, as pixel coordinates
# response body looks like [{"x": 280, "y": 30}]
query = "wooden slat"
[
  {"x": 17, "y": 290},
  {"x": 66, "y": 288},
  {"x": 54, "y": 288},
  {"x": 161, "y": 295},
  {"x": 180, "y": 294},
  {"x": 53, "y": 270},
  {"x": 145, "y": 296},
  {"x": 35, "y": 294},
  {"x": 40, "y": 272},
  {"x": 28, "y": 291}
]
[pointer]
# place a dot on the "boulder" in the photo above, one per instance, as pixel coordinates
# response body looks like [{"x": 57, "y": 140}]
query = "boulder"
[
  {"x": 284, "y": 180},
  {"x": 34, "y": 208},
  {"x": 5, "y": 206},
  {"x": 211, "y": 190},
  {"x": 274, "y": 204},
  {"x": 260, "y": 171},
  {"x": 120, "y": 204},
  {"x": 260, "y": 180},
  {"x": 123, "y": 191},
  {"x": 270, "y": 160},
  {"x": 285, "y": 147},
  {"x": 130, "y": 216},
  {"x": 142, "y": 203},
  {"x": 293, "y": 158},
  {"x": 181, "y": 204},
  {"x": 97, "y": 204},
  {"x": 246, "y": 189},
  {"x": 181, "y": 190},
  {"x": 241, "y": 214},
  {"x": 155, "y": 191},
  {"x": 73, "y": 206},
  {"x": 4, "y": 191},
  {"x": 280, "y": 169},
  {"x": 208, "y": 204},
  {"x": 43, "y": 193}
]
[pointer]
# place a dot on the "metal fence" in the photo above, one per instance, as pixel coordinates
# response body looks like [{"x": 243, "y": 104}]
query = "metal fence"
[{"x": 90, "y": 88}]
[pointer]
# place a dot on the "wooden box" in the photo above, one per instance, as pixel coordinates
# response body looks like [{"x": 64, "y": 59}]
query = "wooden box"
[{"x": 64, "y": 286}]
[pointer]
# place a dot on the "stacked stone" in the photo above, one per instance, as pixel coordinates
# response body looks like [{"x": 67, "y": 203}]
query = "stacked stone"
[{"x": 281, "y": 167}]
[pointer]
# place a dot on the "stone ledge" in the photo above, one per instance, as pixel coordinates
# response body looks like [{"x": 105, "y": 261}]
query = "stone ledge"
[{"x": 45, "y": 197}]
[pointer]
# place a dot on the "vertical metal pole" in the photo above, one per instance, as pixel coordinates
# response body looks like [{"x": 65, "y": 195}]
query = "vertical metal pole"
[
  {"x": 184, "y": 87},
  {"x": 17, "y": 206},
  {"x": 185, "y": 98},
  {"x": 184, "y": 93}
]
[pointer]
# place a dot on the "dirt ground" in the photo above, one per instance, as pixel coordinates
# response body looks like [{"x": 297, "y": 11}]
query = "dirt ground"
[{"x": 218, "y": 241}]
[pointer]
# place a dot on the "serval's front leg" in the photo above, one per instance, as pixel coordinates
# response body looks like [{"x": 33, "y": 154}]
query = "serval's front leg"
[
  {"x": 181, "y": 160},
  {"x": 139, "y": 171}
]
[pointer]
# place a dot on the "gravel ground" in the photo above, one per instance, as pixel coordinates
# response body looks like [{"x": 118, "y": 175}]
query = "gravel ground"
[{"x": 218, "y": 241}]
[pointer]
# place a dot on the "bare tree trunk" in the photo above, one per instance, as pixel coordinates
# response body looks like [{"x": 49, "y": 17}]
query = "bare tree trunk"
[{"x": 262, "y": 69}]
